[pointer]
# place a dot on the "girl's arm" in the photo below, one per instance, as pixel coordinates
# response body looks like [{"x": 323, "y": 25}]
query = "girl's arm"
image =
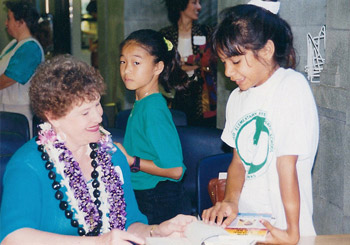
[
  {"x": 289, "y": 188},
  {"x": 149, "y": 167},
  {"x": 229, "y": 206}
]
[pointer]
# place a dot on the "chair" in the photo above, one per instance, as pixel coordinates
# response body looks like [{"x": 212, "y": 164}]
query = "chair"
[
  {"x": 197, "y": 143},
  {"x": 117, "y": 134},
  {"x": 36, "y": 122},
  {"x": 179, "y": 117},
  {"x": 207, "y": 169},
  {"x": 14, "y": 132},
  {"x": 14, "y": 122},
  {"x": 9, "y": 143},
  {"x": 121, "y": 119},
  {"x": 104, "y": 120}
]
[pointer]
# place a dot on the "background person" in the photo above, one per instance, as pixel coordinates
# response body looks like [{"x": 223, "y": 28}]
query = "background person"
[
  {"x": 20, "y": 58},
  {"x": 91, "y": 8},
  {"x": 271, "y": 122},
  {"x": 191, "y": 40},
  {"x": 151, "y": 140},
  {"x": 71, "y": 180}
]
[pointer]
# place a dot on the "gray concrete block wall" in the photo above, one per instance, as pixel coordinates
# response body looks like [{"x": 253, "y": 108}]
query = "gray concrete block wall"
[
  {"x": 332, "y": 168},
  {"x": 338, "y": 59},
  {"x": 140, "y": 14},
  {"x": 304, "y": 16},
  {"x": 4, "y": 37}
]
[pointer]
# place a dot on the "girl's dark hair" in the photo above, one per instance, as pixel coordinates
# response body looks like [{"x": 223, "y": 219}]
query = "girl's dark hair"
[
  {"x": 174, "y": 8},
  {"x": 172, "y": 75},
  {"x": 248, "y": 27},
  {"x": 24, "y": 10}
]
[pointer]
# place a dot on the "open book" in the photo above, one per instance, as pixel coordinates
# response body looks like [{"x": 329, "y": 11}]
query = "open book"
[
  {"x": 245, "y": 229},
  {"x": 248, "y": 226}
]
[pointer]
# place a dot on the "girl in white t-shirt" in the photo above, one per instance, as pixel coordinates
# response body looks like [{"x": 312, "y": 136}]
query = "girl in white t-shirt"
[{"x": 271, "y": 123}]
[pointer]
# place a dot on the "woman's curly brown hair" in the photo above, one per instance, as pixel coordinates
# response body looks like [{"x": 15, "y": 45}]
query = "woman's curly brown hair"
[{"x": 61, "y": 83}]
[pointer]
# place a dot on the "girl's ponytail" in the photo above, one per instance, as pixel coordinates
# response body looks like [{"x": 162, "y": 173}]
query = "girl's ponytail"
[
  {"x": 172, "y": 77},
  {"x": 284, "y": 49}
]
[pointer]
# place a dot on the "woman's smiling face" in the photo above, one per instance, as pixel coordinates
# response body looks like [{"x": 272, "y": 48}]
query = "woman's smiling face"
[{"x": 81, "y": 125}]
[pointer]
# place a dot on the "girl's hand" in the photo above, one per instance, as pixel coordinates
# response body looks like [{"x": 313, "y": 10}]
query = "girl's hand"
[
  {"x": 174, "y": 227},
  {"x": 116, "y": 236},
  {"x": 278, "y": 236},
  {"x": 129, "y": 158},
  {"x": 218, "y": 212}
]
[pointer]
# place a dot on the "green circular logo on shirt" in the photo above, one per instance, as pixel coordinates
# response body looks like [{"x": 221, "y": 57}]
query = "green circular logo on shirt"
[{"x": 254, "y": 143}]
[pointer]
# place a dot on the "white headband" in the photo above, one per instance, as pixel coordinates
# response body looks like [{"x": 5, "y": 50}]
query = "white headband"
[{"x": 273, "y": 7}]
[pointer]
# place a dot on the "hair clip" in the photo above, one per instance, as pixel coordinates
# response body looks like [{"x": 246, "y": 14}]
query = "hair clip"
[
  {"x": 273, "y": 7},
  {"x": 168, "y": 44}
]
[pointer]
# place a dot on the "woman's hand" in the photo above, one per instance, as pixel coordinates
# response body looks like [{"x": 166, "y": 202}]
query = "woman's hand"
[
  {"x": 129, "y": 158},
  {"x": 218, "y": 212},
  {"x": 174, "y": 227},
  {"x": 278, "y": 236},
  {"x": 119, "y": 237}
]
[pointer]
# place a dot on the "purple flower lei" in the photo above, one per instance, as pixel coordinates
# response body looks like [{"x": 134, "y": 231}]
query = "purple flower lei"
[{"x": 78, "y": 184}]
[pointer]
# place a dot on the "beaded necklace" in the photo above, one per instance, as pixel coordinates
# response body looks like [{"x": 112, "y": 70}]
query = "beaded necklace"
[{"x": 94, "y": 209}]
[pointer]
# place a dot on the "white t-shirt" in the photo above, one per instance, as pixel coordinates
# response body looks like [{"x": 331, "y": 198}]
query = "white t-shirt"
[{"x": 274, "y": 119}]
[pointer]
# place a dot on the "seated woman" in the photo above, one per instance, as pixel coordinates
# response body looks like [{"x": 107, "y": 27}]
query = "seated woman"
[{"x": 72, "y": 180}]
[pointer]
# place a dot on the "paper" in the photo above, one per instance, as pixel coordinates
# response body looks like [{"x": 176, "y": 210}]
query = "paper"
[
  {"x": 199, "y": 40},
  {"x": 246, "y": 229},
  {"x": 196, "y": 233}
]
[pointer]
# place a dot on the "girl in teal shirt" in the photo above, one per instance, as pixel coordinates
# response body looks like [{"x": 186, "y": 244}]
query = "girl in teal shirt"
[{"x": 151, "y": 141}]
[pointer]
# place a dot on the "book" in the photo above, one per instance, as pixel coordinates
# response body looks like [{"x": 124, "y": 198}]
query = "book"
[{"x": 248, "y": 226}]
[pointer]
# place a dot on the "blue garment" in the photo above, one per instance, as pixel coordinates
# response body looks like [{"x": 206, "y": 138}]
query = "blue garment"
[
  {"x": 151, "y": 134},
  {"x": 24, "y": 62},
  {"x": 28, "y": 198}
]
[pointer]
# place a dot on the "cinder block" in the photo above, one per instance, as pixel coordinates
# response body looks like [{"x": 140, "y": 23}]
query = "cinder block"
[
  {"x": 327, "y": 222},
  {"x": 338, "y": 14}
]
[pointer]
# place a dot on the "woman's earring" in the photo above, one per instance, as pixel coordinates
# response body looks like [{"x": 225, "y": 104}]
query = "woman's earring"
[{"x": 61, "y": 136}]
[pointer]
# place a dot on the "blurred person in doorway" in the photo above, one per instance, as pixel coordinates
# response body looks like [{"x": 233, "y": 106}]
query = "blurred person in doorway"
[
  {"x": 20, "y": 58},
  {"x": 192, "y": 41}
]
